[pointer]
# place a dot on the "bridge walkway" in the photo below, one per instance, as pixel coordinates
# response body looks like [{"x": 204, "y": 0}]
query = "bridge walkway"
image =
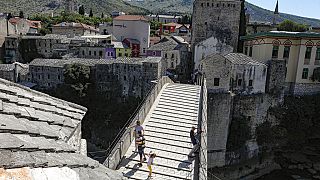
[{"x": 167, "y": 128}]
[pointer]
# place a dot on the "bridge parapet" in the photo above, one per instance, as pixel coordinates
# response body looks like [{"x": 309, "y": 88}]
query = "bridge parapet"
[{"x": 122, "y": 142}]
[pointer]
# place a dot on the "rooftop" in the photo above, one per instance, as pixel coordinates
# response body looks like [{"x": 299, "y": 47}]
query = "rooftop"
[
  {"x": 165, "y": 16},
  {"x": 241, "y": 59},
  {"x": 130, "y": 18},
  {"x": 36, "y": 134},
  {"x": 75, "y": 25},
  {"x": 91, "y": 62},
  {"x": 165, "y": 44},
  {"x": 285, "y": 34}
]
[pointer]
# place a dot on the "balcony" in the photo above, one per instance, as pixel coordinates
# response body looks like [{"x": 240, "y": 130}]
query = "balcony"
[{"x": 317, "y": 62}]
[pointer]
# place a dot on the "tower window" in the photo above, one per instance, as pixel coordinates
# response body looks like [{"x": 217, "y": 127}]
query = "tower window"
[
  {"x": 216, "y": 82},
  {"x": 305, "y": 73},
  {"x": 208, "y": 4},
  {"x": 250, "y": 83},
  {"x": 239, "y": 82},
  {"x": 201, "y": 4}
]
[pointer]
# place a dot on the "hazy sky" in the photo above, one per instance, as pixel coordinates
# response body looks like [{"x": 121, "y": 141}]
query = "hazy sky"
[{"x": 305, "y": 8}]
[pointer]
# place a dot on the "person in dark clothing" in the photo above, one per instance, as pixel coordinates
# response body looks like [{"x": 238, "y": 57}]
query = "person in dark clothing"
[
  {"x": 192, "y": 136},
  {"x": 194, "y": 141}
]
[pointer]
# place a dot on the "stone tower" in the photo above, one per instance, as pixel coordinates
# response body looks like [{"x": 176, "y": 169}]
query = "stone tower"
[
  {"x": 70, "y": 6},
  {"x": 216, "y": 18}
]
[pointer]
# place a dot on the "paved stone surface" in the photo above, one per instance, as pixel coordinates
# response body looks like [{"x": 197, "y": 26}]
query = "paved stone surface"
[{"x": 167, "y": 128}]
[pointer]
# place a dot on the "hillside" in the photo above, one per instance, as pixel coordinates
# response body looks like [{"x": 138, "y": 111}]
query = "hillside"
[
  {"x": 185, "y": 6},
  {"x": 30, "y": 7},
  {"x": 133, "y": 7}
]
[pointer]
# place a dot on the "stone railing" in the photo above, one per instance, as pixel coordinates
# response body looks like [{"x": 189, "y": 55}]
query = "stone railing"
[
  {"x": 200, "y": 167},
  {"x": 122, "y": 142}
]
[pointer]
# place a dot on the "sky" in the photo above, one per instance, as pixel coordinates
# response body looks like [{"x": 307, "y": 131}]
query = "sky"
[{"x": 305, "y": 8}]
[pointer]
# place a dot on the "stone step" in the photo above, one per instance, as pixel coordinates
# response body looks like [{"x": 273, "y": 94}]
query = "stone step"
[
  {"x": 158, "y": 170},
  {"x": 172, "y": 99},
  {"x": 170, "y": 124},
  {"x": 173, "y": 120},
  {"x": 169, "y": 118},
  {"x": 176, "y": 116},
  {"x": 185, "y": 165},
  {"x": 176, "y": 108},
  {"x": 180, "y": 96},
  {"x": 178, "y": 105}
]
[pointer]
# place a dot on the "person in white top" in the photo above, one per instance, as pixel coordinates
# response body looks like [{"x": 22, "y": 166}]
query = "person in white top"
[
  {"x": 137, "y": 128},
  {"x": 150, "y": 162}
]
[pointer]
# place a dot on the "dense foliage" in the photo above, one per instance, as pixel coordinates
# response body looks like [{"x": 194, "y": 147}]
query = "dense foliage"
[
  {"x": 299, "y": 119},
  {"x": 105, "y": 115},
  {"x": 288, "y": 25},
  {"x": 239, "y": 133},
  {"x": 48, "y": 21}
]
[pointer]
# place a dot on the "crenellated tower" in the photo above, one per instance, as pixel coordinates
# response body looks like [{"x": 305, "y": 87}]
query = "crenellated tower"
[{"x": 218, "y": 18}]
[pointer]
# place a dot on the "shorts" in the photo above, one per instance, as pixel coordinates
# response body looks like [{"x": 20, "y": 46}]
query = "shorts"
[{"x": 141, "y": 152}]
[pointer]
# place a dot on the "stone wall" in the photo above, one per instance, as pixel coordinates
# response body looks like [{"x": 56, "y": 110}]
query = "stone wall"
[
  {"x": 217, "y": 18},
  {"x": 276, "y": 76},
  {"x": 219, "y": 117},
  {"x": 306, "y": 89}
]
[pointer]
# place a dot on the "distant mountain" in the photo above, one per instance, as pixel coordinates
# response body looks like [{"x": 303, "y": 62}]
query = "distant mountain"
[
  {"x": 30, "y": 7},
  {"x": 136, "y": 6},
  {"x": 185, "y": 7}
]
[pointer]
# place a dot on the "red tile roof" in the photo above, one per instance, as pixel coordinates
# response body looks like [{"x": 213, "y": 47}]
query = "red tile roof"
[{"x": 130, "y": 18}]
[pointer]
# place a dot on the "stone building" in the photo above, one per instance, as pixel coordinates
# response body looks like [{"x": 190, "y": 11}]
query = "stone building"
[
  {"x": 41, "y": 137},
  {"x": 133, "y": 27},
  {"x": 163, "y": 18},
  {"x": 26, "y": 48},
  {"x": 216, "y": 19},
  {"x": 74, "y": 29},
  {"x": 15, "y": 72},
  {"x": 234, "y": 72},
  {"x": 175, "y": 52},
  {"x": 299, "y": 52},
  {"x": 236, "y": 86},
  {"x": 133, "y": 75}
]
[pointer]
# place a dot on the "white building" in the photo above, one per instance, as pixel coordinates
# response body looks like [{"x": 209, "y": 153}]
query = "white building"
[
  {"x": 234, "y": 72},
  {"x": 208, "y": 47},
  {"x": 133, "y": 27},
  {"x": 164, "y": 18}
]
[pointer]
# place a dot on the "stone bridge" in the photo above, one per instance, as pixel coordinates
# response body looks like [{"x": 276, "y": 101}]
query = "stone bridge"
[{"x": 168, "y": 113}]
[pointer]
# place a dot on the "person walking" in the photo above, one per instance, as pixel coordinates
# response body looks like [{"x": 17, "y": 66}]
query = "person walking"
[
  {"x": 141, "y": 141},
  {"x": 150, "y": 162},
  {"x": 137, "y": 128}
]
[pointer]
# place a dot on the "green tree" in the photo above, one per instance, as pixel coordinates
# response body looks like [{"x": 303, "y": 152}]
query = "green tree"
[
  {"x": 81, "y": 10},
  {"x": 77, "y": 79},
  {"x": 91, "y": 13},
  {"x": 21, "y": 15},
  {"x": 291, "y": 26}
]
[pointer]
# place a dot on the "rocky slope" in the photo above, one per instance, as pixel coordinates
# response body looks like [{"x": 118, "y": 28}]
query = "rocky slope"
[{"x": 30, "y": 7}]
